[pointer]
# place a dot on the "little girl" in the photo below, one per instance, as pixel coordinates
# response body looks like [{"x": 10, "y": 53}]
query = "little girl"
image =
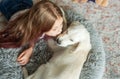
[{"x": 42, "y": 19}]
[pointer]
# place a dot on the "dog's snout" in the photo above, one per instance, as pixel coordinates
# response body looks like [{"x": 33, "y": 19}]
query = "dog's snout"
[{"x": 58, "y": 41}]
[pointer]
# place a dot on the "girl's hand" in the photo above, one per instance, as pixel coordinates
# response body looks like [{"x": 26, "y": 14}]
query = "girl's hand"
[{"x": 24, "y": 57}]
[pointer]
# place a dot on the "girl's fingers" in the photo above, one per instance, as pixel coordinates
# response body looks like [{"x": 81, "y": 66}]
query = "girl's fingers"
[
  {"x": 21, "y": 55},
  {"x": 20, "y": 59},
  {"x": 22, "y": 62}
]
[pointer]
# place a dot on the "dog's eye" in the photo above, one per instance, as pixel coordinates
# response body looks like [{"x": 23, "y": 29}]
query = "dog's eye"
[{"x": 71, "y": 40}]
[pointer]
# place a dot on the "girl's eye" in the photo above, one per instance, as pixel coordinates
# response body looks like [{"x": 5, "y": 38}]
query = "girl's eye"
[{"x": 54, "y": 29}]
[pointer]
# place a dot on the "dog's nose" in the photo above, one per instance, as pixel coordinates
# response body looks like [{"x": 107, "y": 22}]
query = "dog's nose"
[{"x": 58, "y": 41}]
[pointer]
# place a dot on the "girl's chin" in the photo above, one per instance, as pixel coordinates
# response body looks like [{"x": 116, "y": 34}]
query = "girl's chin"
[{"x": 52, "y": 35}]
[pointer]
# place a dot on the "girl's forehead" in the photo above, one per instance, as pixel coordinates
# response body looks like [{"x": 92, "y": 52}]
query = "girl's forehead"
[{"x": 58, "y": 22}]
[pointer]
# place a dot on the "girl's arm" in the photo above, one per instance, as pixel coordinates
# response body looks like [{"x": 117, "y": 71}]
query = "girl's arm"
[{"x": 24, "y": 57}]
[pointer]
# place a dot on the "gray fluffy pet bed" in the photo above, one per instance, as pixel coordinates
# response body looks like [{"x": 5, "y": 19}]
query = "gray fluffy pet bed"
[{"x": 95, "y": 64}]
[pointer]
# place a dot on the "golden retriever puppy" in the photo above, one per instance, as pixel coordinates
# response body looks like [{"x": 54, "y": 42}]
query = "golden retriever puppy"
[{"x": 70, "y": 53}]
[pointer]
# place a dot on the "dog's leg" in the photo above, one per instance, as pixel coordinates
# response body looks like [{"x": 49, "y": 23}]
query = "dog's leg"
[
  {"x": 83, "y": 50},
  {"x": 25, "y": 73}
]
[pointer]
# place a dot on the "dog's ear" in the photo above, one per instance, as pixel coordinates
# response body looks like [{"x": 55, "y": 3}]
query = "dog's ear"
[{"x": 75, "y": 48}]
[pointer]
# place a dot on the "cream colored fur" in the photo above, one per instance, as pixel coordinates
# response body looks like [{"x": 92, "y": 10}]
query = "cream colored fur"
[{"x": 69, "y": 56}]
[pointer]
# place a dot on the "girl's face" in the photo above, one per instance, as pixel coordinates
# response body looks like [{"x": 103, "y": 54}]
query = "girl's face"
[{"x": 56, "y": 28}]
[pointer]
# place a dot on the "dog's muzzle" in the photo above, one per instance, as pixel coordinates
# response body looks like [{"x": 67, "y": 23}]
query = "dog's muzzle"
[{"x": 58, "y": 41}]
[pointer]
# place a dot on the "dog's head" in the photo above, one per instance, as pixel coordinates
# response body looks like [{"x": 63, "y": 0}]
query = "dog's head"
[{"x": 76, "y": 33}]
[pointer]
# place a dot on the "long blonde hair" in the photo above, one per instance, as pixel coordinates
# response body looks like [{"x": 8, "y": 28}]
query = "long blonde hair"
[{"x": 27, "y": 27}]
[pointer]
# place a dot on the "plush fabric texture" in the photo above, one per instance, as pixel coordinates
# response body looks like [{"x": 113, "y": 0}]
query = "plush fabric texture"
[{"x": 9, "y": 68}]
